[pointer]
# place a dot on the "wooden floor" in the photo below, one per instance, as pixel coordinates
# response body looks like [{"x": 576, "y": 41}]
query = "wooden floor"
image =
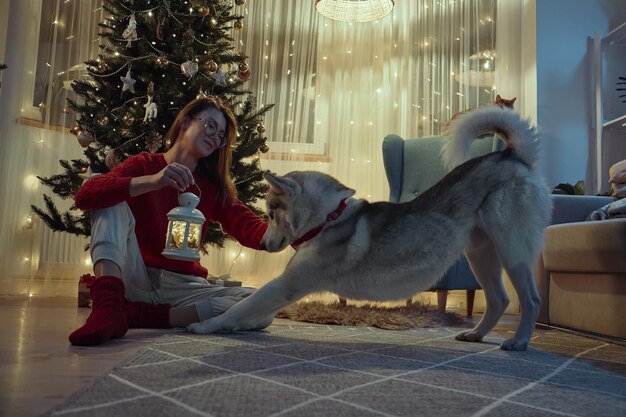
[{"x": 38, "y": 366}]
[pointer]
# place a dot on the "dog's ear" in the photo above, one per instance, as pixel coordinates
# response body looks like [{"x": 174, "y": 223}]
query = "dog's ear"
[{"x": 282, "y": 185}]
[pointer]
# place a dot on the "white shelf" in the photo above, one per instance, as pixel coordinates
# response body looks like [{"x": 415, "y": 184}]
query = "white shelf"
[
  {"x": 616, "y": 37},
  {"x": 616, "y": 124}
]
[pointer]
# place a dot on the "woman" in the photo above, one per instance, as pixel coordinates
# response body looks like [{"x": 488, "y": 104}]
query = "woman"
[{"x": 129, "y": 208}]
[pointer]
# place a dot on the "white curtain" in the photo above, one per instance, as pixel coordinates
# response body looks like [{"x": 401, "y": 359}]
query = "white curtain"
[
  {"x": 338, "y": 89},
  {"x": 45, "y": 40}
]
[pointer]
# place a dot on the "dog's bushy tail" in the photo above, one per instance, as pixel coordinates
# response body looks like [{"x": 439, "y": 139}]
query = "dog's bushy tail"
[{"x": 518, "y": 134}]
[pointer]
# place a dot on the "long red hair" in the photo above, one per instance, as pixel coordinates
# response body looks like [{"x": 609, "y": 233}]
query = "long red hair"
[{"x": 216, "y": 166}]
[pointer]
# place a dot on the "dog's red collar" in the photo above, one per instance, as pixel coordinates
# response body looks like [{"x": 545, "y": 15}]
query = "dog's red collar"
[{"x": 314, "y": 232}]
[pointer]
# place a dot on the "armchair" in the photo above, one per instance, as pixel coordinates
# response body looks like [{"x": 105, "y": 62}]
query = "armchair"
[{"x": 414, "y": 165}]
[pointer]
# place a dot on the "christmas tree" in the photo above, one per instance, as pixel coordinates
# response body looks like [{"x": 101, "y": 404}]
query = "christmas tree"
[{"x": 155, "y": 56}]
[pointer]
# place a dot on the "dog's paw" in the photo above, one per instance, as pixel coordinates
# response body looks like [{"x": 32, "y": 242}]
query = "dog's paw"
[
  {"x": 469, "y": 336},
  {"x": 514, "y": 344}
]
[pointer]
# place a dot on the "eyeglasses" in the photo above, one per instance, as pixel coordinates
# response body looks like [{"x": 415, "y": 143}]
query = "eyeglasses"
[{"x": 210, "y": 129}]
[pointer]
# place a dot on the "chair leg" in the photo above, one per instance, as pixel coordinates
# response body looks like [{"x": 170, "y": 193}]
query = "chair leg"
[
  {"x": 442, "y": 300},
  {"x": 470, "y": 302}
]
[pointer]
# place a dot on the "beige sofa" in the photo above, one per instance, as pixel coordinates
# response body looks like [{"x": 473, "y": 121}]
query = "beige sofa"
[{"x": 583, "y": 280}]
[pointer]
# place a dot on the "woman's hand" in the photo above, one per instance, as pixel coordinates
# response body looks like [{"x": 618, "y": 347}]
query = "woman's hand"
[{"x": 174, "y": 175}]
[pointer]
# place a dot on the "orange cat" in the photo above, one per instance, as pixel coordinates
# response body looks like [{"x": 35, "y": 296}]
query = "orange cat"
[{"x": 501, "y": 102}]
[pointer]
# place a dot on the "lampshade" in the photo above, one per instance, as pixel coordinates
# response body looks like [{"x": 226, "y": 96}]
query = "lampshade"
[
  {"x": 481, "y": 71},
  {"x": 354, "y": 10}
]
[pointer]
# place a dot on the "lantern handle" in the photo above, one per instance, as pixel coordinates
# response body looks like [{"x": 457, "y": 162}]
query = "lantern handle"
[{"x": 199, "y": 191}]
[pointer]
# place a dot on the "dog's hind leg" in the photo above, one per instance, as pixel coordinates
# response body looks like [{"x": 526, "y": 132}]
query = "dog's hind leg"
[
  {"x": 485, "y": 264},
  {"x": 517, "y": 253},
  {"x": 521, "y": 276}
]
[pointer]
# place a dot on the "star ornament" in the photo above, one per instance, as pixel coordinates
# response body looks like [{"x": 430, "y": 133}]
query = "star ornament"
[
  {"x": 129, "y": 83},
  {"x": 219, "y": 78}
]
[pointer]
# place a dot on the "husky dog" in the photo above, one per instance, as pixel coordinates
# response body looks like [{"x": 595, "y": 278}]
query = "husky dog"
[{"x": 494, "y": 208}]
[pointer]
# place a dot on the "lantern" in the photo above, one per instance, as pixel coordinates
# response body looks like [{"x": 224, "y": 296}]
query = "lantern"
[{"x": 184, "y": 230}]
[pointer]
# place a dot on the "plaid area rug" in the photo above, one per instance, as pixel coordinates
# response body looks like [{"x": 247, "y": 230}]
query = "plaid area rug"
[{"x": 295, "y": 369}]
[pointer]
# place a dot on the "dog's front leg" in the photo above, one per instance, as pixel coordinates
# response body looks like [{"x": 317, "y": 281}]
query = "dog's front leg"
[{"x": 254, "y": 312}]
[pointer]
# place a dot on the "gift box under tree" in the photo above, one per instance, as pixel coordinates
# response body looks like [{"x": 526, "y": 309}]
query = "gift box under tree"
[{"x": 84, "y": 295}]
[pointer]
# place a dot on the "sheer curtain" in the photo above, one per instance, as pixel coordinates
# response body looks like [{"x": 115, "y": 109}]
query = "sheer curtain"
[
  {"x": 338, "y": 89},
  {"x": 45, "y": 41}
]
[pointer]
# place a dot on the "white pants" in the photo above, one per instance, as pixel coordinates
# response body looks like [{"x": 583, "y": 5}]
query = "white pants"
[{"x": 113, "y": 239}]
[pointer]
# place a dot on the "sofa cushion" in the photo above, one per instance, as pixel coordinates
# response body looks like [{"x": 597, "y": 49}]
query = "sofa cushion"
[{"x": 597, "y": 247}]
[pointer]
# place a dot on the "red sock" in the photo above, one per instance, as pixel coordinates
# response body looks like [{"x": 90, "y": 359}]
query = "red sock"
[
  {"x": 147, "y": 316},
  {"x": 107, "y": 319}
]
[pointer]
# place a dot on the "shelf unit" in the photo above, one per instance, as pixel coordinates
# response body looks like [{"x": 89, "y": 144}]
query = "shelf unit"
[{"x": 615, "y": 38}]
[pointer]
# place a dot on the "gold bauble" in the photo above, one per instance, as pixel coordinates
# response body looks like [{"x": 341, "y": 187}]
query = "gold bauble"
[
  {"x": 264, "y": 148},
  {"x": 238, "y": 25},
  {"x": 212, "y": 66},
  {"x": 240, "y": 2},
  {"x": 260, "y": 129},
  {"x": 203, "y": 10}
]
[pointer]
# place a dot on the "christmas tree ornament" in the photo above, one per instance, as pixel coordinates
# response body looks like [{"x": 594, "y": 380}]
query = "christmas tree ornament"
[
  {"x": 212, "y": 66},
  {"x": 264, "y": 148},
  {"x": 104, "y": 121},
  {"x": 128, "y": 120},
  {"x": 238, "y": 25},
  {"x": 202, "y": 94},
  {"x": 189, "y": 69},
  {"x": 184, "y": 229},
  {"x": 130, "y": 33},
  {"x": 219, "y": 78},
  {"x": 84, "y": 138},
  {"x": 151, "y": 110},
  {"x": 150, "y": 88},
  {"x": 129, "y": 83},
  {"x": 111, "y": 159},
  {"x": 240, "y": 2},
  {"x": 244, "y": 72},
  {"x": 75, "y": 130},
  {"x": 160, "y": 29},
  {"x": 203, "y": 11},
  {"x": 86, "y": 173},
  {"x": 154, "y": 141},
  {"x": 260, "y": 128}
]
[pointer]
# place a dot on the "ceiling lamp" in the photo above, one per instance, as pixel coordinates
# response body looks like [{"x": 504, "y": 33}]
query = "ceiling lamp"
[{"x": 354, "y": 10}]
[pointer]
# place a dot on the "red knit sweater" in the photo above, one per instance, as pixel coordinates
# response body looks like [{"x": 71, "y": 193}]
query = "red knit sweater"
[{"x": 150, "y": 210}]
